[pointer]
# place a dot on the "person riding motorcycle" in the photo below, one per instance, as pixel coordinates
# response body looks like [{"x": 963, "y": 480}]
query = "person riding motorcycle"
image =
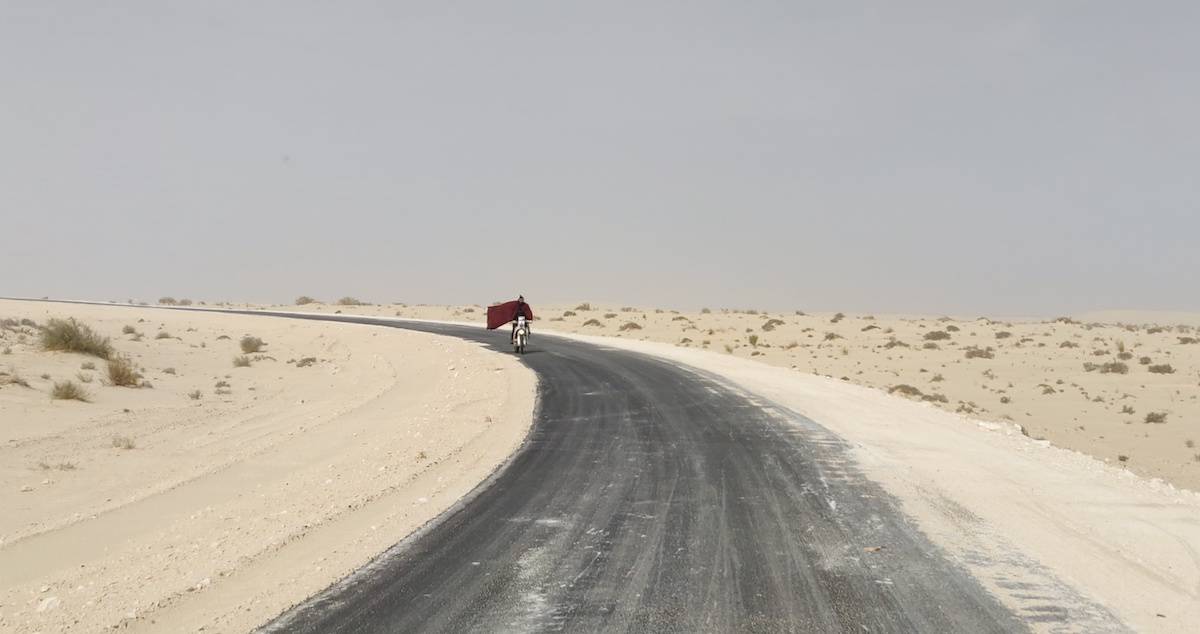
[{"x": 522, "y": 310}]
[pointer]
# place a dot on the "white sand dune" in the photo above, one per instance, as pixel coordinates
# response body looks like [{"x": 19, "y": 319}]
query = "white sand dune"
[{"x": 231, "y": 507}]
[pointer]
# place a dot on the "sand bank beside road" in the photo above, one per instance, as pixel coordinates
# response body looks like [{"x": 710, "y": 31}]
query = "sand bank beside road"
[
  {"x": 216, "y": 496},
  {"x": 1054, "y": 534}
]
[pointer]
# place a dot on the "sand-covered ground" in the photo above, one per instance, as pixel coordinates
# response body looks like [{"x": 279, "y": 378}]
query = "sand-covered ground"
[
  {"x": 1069, "y": 531},
  {"x": 215, "y": 496},
  {"x": 1127, "y": 394}
]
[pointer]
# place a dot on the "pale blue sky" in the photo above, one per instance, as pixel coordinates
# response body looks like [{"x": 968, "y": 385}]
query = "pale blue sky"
[{"x": 1001, "y": 158}]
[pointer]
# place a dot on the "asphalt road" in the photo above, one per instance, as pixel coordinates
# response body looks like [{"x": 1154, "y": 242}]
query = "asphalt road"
[{"x": 649, "y": 498}]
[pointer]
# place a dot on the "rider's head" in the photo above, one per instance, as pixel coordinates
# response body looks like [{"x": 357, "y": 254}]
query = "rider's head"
[{"x": 521, "y": 298}]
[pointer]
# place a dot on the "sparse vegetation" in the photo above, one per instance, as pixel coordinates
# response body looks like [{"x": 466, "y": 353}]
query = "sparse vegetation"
[
  {"x": 241, "y": 362},
  {"x": 771, "y": 324},
  {"x": 162, "y": 334},
  {"x": 630, "y": 325},
  {"x": 305, "y": 362},
  {"x": 68, "y": 335},
  {"x": 12, "y": 377},
  {"x": 68, "y": 391},
  {"x": 123, "y": 442},
  {"x": 168, "y": 301},
  {"x": 1114, "y": 367},
  {"x": 251, "y": 344},
  {"x": 305, "y": 300},
  {"x": 936, "y": 335},
  {"x": 583, "y": 307},
  {"x": 1162, "y": 368},
  {"x": 975, "y": 352},
  {"x": 1003, "y": 334},
  {"x": 195, "y": 395},
  {"x": 121, "y": 372},
  {"x": 752, "y": 340},
  {"x": 1156, "y": 417},
  {"x": 350, "y": 301},
  {"x": 905, "y": 389},
  {"x": 87, "y": 365},
  {"x": 838, "y": 317}
]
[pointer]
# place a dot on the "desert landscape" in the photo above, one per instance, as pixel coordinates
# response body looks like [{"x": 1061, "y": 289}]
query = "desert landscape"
[
  {"x": 182, "y": 471},
  {"x": 1127, "y": 393}
]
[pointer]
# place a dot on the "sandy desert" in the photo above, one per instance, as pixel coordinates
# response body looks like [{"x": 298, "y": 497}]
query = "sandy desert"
[
  {"x": 225, "y": 483},
  {"x": 226, "y": 464},
  {"x": 1126, "y": 391}
]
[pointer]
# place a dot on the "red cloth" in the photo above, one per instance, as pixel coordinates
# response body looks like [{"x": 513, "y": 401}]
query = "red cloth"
[{"x": 501, "y": 314}]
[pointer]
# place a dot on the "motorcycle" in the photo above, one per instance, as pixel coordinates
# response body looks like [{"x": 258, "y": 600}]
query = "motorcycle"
[{"x": 521, "y": 336}]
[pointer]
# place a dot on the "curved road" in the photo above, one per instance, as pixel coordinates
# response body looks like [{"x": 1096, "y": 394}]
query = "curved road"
[{"x": 650, "y": 498}]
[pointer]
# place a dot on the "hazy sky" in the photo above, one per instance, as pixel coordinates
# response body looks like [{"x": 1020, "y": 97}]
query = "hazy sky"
[{"x": 1004, "y": 158}]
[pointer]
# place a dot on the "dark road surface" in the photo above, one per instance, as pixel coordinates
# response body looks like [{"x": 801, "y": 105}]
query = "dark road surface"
[{"x": 649, "y": 498}]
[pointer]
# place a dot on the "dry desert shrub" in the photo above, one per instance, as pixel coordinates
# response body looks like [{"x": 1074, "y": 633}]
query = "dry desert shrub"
[
  {"x": 162, "y": 334},
  {"x": 350, "y": 301},
  {"x": 1068, "y": 344},
  {"x": 936, "y": 335},
  {"x": 68, "y": 391},
  {"x": 305, "y": 362},
  {"x": 929, "y": 345},
  {"x": 905, "y": 389},
  {"x": 1163, "y": 368},
  {"x": 12, "y": 377},
  {"x": 609, "y": 315},
  {"x": 121, "y": 372},
  {"x": 1156, "y": 417},
  {"x": 975, "y": 352},
  {"x": 123, "y": 442},
  {"x": 87, "y": 365},
  {"x": 1127, "y": 409},
  {"x": 583, "y": 307},
  {"x": 568, "y": 313},
  {"x": 705, "y": 311},
  {"x": 1114, "y": 367},
  {"x": 251, "y": 344},
  {"x": 241, "y": 362},
  {"x": 838, "y": 317},
  {"x": 771, "y": 324},
  {"x": 1144, "y": 361},
  {"x": 194, "y": 395},
  {"x": 304, "y": 300},
  {"x": 593, "y": 322},
  {"x": 1003, "y": 334},
  {"x": 68, "y": 335},
  {"x": 1188, "y": 340},
  {"x": 168, "y": 301},
  {"x": 630, "y": 326},
  {"x": 752, "y": 340}
]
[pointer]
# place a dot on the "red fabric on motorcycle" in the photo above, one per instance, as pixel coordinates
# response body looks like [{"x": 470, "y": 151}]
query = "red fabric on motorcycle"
[{"x": 501, "y": 314}]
